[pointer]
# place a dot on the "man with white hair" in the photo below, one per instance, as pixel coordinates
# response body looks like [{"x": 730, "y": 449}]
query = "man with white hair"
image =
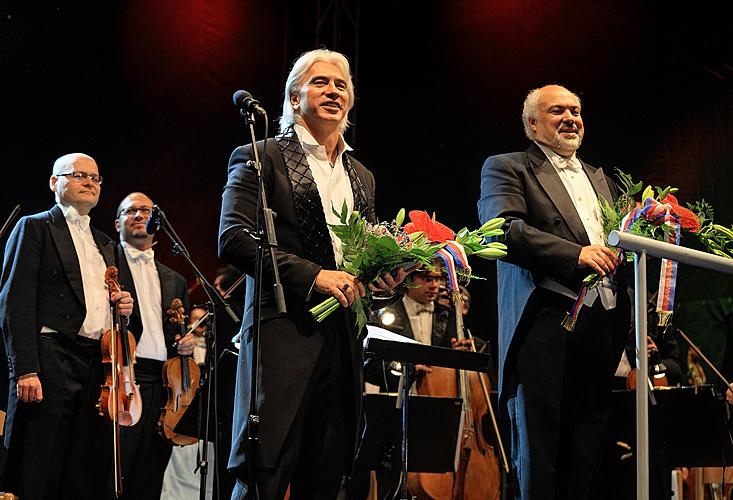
[
  {"x": 554, "y": 384},
  {"x": 309, "y": 402},
  {"x": 54, "y": 307}
]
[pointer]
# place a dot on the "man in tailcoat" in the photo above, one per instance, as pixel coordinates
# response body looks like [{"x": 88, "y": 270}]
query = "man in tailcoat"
[
  {"x": 54, "y": 307},
  {"x": 310, "y": 390},
  {"x": 554, "y": 384},
  {"x": 153, "y": 286}
]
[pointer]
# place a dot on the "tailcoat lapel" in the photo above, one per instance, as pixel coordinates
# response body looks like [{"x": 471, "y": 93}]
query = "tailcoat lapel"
[
  {"x": 67, "y": 252},
  {"x": 554, "y": 188}
]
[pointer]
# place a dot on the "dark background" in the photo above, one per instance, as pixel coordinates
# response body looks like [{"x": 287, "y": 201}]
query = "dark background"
[{"x": 145, "y": 88}]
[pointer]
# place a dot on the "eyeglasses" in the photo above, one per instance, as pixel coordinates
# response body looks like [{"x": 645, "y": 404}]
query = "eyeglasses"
[
  {"x": 144, "y": 211},
  {"x": 82, "y": 176}
]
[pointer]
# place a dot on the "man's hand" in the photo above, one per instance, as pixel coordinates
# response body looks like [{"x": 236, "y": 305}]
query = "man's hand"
[
  {"x": 29, "y": 388},
  {"x": 598, "y": 257},
  {"x": 123, "y": 301},
  {"x": 389, "y": 281},
  {"x": 423, "y": 368},
  {"x": 186, "y": 344},
  {"x": 341, "y": 285},
  {"x": 462, "y": 345},
  {"x": 729, "y": 396}
]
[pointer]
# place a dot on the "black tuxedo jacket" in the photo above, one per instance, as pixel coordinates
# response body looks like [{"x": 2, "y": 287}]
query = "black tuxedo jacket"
[
  {"x": 41, "y": 285},
  {"x": 172, "y": 285},
  {"x": 289, "y": 346},
  {"x": 543, "y": 233}
]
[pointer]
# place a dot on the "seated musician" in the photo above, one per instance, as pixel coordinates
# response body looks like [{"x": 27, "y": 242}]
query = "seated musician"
[
  {"x": 417, "y": 315},
  {"x": 145, "y": 453},
  {"x": 54, "y": 308}
]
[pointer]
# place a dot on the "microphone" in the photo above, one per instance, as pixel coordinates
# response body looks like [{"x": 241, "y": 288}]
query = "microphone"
[
  {"x": 243, "y": 100},
  {"x": 153, "y": 224}
]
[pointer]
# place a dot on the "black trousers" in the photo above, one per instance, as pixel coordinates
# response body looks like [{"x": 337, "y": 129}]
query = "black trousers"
[
  {"x": 59, "y": 448},
  {"x": 312, "y": 459},
  {"x": 563, "y": 384},
  {"x": 144, "y": 453}
]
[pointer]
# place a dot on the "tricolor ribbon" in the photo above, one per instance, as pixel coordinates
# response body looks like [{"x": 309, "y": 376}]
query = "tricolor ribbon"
[
  {"x": 657, "y": 213},
  {"x": 454, "y": 257}
]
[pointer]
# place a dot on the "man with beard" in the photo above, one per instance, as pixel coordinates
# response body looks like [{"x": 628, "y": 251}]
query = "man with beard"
[
  {"x": 153, "y": 286},
  {"x": 554, "y": 385}
]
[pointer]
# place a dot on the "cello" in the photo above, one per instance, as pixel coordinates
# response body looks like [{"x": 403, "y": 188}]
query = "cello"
[
  {"x": 119, "y": 401},
  {"x": 477, "y": 475},
  {"x": 181, "y": 378}
]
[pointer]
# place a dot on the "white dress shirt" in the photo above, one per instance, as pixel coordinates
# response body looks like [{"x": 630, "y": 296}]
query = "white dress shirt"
[
  {"x": 585, "y": 200},
  {"x": 93, "y": 268},
  {"x": 147, "y": 286},
  {"x": 421, "y": 319},
  {"x": 334, "y": 185}
]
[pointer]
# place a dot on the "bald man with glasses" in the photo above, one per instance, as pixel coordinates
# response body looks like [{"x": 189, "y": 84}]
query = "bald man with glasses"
[{"x": 54, "y": 307}]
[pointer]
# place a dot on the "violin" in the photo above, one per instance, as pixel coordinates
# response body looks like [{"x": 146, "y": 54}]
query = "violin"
[
  {"x": 477, "y": 475},
  {"x": 181, "y": 378},
  {"x": 119, "y": 401}
]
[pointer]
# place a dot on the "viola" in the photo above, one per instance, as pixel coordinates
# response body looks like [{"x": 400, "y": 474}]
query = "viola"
[
  {"x": 119, "y": 401},
  {"x": 182, "y": 379},
  {"x": 477, "y": 476}
]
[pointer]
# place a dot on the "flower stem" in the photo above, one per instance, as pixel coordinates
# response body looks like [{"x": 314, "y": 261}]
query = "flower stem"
[{"x": 328, "y": 311}]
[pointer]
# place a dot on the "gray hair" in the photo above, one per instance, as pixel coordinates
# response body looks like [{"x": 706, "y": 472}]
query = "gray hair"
[
  {"x": 294, "y": 84},
  {"x": 530, "y": 108},
  {"x": 65, "y": 164}
]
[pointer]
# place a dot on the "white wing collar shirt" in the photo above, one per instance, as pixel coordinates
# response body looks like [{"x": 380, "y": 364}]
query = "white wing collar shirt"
[
  {"x": 332, "y": 180},
  {"x": 421, "y": 319},
  {"x": 147, "y": 286},
  {"x": 585, "y": 200},
  {"x": 93, "y": 268}
]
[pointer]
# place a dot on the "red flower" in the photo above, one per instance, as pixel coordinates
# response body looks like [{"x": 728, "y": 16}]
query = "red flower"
[
  {"x": 434, "y": 231},
  {"x": 688, "y": 219}
]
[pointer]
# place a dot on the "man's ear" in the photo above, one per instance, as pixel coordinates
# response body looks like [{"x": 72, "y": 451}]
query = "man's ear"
[
  {"x": 117, "y": 225},
  {"x": 52, "y": 183},
  {"x": 295, "y": 101}
]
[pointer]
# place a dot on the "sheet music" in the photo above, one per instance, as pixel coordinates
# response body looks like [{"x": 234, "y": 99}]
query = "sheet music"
[{"x": 375, "y": 332}]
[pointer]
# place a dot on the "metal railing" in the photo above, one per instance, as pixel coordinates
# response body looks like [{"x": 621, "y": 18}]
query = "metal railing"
[{"x": 642, "y": 247}]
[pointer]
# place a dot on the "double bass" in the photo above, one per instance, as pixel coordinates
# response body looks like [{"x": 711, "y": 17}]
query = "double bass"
[
  {"x": 181, "y": 378},
  {"x": 477, "y": 475},
  {"x": 119, "y": 401}
]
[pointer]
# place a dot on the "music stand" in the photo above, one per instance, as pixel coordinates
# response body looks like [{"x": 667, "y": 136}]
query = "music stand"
[
  {"x": 387, "y": 345},
  {"x": 687, "y": 428}
]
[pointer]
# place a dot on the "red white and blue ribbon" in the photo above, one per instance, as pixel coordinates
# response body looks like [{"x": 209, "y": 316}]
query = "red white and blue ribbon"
[{"x": 454, "y": 257}]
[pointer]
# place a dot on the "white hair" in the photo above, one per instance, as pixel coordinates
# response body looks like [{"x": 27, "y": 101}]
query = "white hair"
[
  {"x": 530, "y": 108},
  {"x": 65, "y": 164},
  {"x": 294, "y": 84}
]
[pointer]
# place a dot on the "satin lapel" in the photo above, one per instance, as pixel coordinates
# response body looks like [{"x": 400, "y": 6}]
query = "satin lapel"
[
  {"x": 127, "y": 282},
  {"x": 404, "y": 320},
  {"x": 357, "y": 187},
  {"x": 598, "y": 181},
  {"x": 555, "y": 190},
  {"x": 307, "y": 200},
  {"x": 167, "y": 288},
  {"x": 67, "y": 252}
]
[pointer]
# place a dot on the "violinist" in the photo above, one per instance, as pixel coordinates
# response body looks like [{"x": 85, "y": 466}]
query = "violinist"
[
  {"x": 54, "y": 307},
  {"x": 144, "y": 453}
]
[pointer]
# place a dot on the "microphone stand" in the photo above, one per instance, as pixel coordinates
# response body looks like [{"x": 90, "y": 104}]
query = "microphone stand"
[
  {"x": 265, "y": 236},
  {"x": 9, "y": 220},
  {"x": 180, "y": 249}
]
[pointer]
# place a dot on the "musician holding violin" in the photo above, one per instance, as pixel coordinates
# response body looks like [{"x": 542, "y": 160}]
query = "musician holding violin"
[
  {"x": 54, "y": 308},
  {"x": 144, "y": 453}
]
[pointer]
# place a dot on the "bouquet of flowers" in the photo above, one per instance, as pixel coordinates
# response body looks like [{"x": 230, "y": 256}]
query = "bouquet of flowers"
[
  {"x": 372, "y": 250},
  {"x": 661, "y": 217}
]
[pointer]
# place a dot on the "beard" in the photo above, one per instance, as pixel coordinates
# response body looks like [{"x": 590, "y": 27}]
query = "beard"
[{"x": 560, "y": 142}]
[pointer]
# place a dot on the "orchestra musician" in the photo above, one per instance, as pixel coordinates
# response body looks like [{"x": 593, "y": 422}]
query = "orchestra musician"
[
  {"x": 555, "y": 385},
  {"x": 153, "y": 285},
  {"x": 310, "y": 372},
  {"x": 54, "y": 307}
]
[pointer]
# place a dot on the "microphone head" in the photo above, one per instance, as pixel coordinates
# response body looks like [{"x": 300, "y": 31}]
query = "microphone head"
[
  {"x": 240, "y": 97},
  {"x": 153, "y": 224}
]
